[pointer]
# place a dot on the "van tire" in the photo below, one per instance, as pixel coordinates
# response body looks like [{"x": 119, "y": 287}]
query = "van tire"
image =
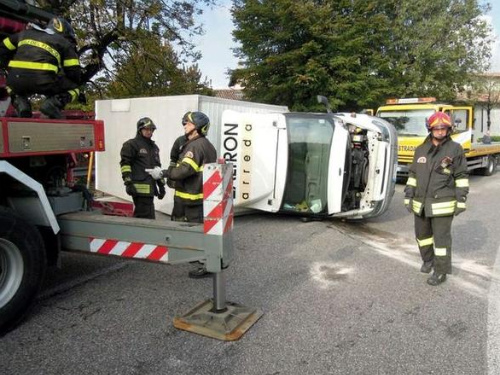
[{"x": 22, "y": 268}]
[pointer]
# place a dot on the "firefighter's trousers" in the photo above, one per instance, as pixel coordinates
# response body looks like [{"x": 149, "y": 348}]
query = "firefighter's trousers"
[
  {"x": 434, "y": 241},
  {"x": 186, "y": 212},
  {"x": 144, "y": 207}
]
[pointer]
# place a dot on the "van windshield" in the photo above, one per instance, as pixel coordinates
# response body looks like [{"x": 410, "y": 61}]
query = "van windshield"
[
  {"x": 309, "y": 144},
  {"x": 409, "y": 123}
]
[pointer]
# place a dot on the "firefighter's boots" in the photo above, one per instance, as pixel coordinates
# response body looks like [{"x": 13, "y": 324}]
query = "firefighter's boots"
[
  {"x": 436, "y": 279},
  {"x": 53, "y": 105},
  {"x": 22, "y": 106}
]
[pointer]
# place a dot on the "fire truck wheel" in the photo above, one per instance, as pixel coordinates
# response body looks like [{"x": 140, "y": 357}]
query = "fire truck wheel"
[
  {"x": 22, "y": 268},
  {"x": 490, "y": 168}
]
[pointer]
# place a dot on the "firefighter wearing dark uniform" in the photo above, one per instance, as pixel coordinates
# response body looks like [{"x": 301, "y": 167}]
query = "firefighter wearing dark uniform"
[
  {"x": 188, "y": 173},
  {"x": 137, "y": 155},
  {"x": 437, "y": 190},
  {"x": 42, "y": 61},
  {"x": 175, "y": 152}
]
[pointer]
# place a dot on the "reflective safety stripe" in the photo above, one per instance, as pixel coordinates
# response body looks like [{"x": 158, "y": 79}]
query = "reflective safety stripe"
[
  {"x": 33, "y": 66},
  {"x": 74, "y": 94},
  {"x": 463, "y": 182},
  {"x": 44, "y": 46},
  {"x": 443, "y": 208},
  {"x": 143, "y": 188},
  {"x": 416, "y": 206},
  {"x": 71, "y": 62},
  {"x": 189, "y": 196},
  {"x": 7, "y": 43},
  {"x": 193, "y": 164},
  {"x": 126, "y": 168},
  {"x": 440, "y": 251},
  {"x": 411, "y": 182},
  {"x": 407, "y": 201},
  {"x": 461, "y": 205},
  {"x": 425, "y": 242}
]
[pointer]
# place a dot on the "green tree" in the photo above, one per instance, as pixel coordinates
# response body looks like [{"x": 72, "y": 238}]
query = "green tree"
[
  {"x": 356, "y": 52},
  {"x": 485, "y": 92},
  {"x": 152, "y": 68}
]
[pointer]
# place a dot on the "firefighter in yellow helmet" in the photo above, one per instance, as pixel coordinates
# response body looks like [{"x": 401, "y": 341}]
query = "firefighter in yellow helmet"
[
  {"x": 195, "y": 150},
  {"x": 437, "y": 190}
]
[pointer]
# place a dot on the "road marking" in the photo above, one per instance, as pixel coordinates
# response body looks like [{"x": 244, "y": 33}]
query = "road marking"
[{"x": 494, "y": 319}]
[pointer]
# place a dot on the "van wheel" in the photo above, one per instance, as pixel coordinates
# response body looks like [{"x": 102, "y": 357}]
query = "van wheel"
[
  {"x": 490, "y": 168},
  {"x": 22, "y": 268}
]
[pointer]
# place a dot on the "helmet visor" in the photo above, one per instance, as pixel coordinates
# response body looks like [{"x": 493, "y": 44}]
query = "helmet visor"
[{"x": 440, "y": 126}]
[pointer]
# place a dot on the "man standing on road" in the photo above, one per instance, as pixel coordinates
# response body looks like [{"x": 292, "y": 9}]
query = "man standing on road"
[
  {"x": 188, "y": 173},
  {"x": 436, "y": 190},
  {"x": 138, "y": 154}
]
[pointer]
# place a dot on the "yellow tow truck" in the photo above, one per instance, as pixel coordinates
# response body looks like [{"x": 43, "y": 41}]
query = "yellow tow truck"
[{"x": 409, "y": 117}]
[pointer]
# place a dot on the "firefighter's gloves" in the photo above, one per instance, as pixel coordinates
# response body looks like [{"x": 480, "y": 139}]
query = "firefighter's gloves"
[
  {"x": 161, "y": 191},
  {"x": 409, "y": 205},
  {"x": 156, "y": 172},
  {"x": 130, "y": 189}
]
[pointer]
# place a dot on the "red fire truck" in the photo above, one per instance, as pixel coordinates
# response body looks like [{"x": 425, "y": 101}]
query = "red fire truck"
[{"x": 43, "y": 211}]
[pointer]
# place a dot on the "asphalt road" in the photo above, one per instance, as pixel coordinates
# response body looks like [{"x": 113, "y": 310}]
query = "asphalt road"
[{"x": 337, "y": 297}]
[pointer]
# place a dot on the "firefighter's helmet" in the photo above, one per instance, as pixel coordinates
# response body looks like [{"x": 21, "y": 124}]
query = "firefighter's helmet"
[
  {"x": 199, "y": 120},
  {"x": 63, "y": 27},
  {"x": 145, "y": 122},
  {"x": 439, "y": 120}
]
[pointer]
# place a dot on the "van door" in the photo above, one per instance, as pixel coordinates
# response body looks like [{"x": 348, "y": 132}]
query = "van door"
[{"x": 315, "y": 181}]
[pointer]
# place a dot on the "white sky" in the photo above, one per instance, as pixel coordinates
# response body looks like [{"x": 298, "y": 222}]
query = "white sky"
[{"x": 217, "y": 42}]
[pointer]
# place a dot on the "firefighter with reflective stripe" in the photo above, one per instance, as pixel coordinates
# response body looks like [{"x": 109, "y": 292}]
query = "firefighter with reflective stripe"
[
  {"x": 188, "y": 173},
  {"x": 175, "y": 152},
  {"x": 437, "y": 190},
  {"x": 42, "y": 61},
  {"x": 138, "y": 154}
]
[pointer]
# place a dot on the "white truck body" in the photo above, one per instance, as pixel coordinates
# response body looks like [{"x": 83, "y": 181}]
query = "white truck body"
[
  {"x": 296, "y": 163},
  {"x": 121, "y": 116}
]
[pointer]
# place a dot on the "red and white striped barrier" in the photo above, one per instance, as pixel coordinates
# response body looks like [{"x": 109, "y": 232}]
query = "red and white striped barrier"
[
  {"x": 126, "y": 249},
  {"x": 217, "y": 198}
]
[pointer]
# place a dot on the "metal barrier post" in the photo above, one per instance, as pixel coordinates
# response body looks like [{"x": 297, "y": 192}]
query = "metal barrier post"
[
  {"x": 215, "y": 317},
  {"x": 219, "y": 291}
]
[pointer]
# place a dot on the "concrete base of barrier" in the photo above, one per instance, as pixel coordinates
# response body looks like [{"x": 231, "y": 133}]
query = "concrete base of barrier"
[{"x": 227, "y": 325}]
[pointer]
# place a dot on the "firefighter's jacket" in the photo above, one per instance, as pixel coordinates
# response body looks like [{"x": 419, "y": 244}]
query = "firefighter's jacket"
[
  {"x": 37, "y": 52},
  {"x": 137, "y": 154},
  {"x": 188, "y": 174},
  {"x": 438, "y": 182}
]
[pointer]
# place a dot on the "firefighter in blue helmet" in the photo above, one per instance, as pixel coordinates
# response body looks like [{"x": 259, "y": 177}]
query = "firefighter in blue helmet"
[
  {"x": 138, "y": 154},
  {"x": 436, "y": 191},
  {"x": 42, "y": 61},
  {"x": 187, "y": 174}
]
